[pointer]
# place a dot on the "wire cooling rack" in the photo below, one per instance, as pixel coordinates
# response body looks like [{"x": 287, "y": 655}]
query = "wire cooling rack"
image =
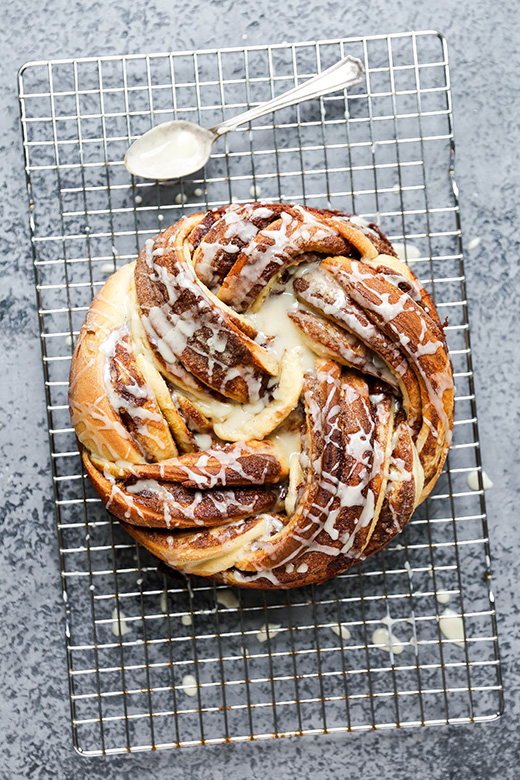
[{"x": 134, "y": 635}]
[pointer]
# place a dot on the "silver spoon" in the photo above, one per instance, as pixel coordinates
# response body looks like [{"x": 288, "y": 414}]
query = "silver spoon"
[{"x": 174, "y": 149}]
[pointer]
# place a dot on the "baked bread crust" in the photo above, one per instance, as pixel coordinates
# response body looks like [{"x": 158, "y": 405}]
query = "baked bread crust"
[{"x": 233, "y": 453}]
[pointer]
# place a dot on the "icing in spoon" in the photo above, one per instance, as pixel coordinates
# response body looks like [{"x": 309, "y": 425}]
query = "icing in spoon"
[{"x": 174, "y": 149}]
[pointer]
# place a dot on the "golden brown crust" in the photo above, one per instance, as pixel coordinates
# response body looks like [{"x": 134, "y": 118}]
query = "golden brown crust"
[
  {"x": 98, "y": 426},
  {"x": 232, "y": 457}
]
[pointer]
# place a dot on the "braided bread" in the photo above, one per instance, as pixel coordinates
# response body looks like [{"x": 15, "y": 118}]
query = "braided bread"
[{"x": 265, "y": 395}]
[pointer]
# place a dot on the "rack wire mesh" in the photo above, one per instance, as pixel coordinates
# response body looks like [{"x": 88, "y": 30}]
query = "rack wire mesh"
[{"x": 385, "y": 151}]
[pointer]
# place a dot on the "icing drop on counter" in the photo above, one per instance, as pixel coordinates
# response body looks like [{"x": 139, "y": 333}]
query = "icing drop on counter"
[
  {"x": 473, "y": 481},
  {"x": 268, "y": 631},
  {"x": 390, "y": 644},
  {"x": 119, "y": 624},
  {"x": 452, "y": 627},
  {"x": 227, "y": 598},
  {"x": 442, "y": 596},
  {"x": 341, "y": 630},
  {"x": 189, "y": 685}
]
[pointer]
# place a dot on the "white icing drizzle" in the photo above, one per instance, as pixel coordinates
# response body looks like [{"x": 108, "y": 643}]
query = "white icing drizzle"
[
  {"x": 285, "y": 236},
  {"x": 262, "y": 212},
  {"x": 220, "y": 504},
  {"x": 357, "y": 282},
  {"x": 408, "y": 569},
  {"x": 359, "y": 221},
  {"x": 173, "y": 331},
  {"x": 388, "y": 621}
]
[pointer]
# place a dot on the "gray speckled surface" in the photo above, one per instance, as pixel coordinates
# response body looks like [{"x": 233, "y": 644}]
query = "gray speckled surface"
[{"x": 34, "y": 713}]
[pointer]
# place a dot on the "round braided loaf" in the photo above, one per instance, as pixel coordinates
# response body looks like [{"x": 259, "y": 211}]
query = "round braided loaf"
[{"x": 265, "y": 395}]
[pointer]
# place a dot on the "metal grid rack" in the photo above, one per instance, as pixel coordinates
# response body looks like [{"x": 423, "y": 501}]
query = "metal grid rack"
[{"x": 384, "y": 150}]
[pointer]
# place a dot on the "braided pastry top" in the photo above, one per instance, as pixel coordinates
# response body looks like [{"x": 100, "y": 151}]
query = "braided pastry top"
[{"x": 265, "y": 395}]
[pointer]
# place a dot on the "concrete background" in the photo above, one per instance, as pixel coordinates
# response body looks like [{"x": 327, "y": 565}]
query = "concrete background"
[{"x": 34, "y": 716}]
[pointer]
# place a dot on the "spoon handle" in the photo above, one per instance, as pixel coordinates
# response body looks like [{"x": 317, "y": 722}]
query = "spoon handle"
[{"x": 345, "y": 73}]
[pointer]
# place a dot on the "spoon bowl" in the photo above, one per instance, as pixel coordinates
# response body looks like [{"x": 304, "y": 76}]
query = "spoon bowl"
[{"x": 170, "y": 150}]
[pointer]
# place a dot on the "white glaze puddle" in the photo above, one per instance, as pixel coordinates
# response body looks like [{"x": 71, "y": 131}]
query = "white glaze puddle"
[
  {"x": 235, "y": 422},
  {"x": 189, "y": 685},
  {"x": 288, "y": 443},
  {"x": 235, "y": 416},
  {"x": 452, "y": 627},
  {"x": 272, "y": 320},
  {"x": 204, "y": 440}
]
